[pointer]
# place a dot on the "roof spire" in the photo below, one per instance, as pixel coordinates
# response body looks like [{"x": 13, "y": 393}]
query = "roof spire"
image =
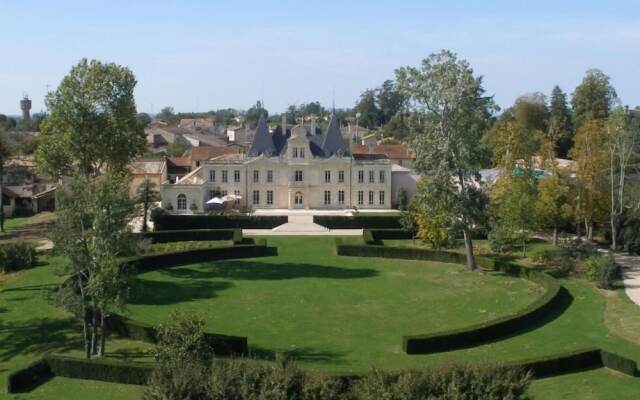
[
  {"x": 262, "y": 142},
  {"x": 333, "y": 144}
]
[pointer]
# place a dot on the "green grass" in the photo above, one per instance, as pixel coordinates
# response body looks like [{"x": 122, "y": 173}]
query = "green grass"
[
  {"x": 329, "y": 312},
  {"x": 65, "y": 388},
  {"x": 599, "y": 384}
]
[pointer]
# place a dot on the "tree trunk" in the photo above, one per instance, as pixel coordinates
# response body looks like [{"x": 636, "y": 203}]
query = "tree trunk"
[
  {"x": 579, "y": 231},
  {"x": 85, "y": 322},
  {"x": 94, "y": 331},
  {"x": 555, "y": 235},
  {"x": 590, "y": 231},
  {"x": 103, "y": 333},
  {"x": 614, "y": 235},
  {"x": 144, "y": 218},
  {"x": 468, "y": 246},
  {"x": 524, "y": 245}
]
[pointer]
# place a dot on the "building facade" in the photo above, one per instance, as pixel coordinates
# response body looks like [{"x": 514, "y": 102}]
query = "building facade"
[{"x": 286, "y": 170}]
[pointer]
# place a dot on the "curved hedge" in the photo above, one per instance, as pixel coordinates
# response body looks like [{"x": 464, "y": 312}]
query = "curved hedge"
[
  {"x": 359, "y": 221},
  {"x": 171, "y": 222},
  {"x": 187, "y": 235},
  {"x": 475, "y": 334}
]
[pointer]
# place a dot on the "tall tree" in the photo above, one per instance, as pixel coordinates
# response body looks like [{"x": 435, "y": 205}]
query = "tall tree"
[
  {"x": 593, "y": 98},
  {"x": 531, "y": 111},
  {"x": 592, "y": 166},
  {"x": 553, "y": 207},
  {"x": 623, "y": 147},
  {"x": 370, "y": 115},
  {"x": 390, "y": 100},
  {"x": 451, "y": 114},
  {"x": 92, "y": 124},
  {"x": 91, "y": 231},
  {"x": 560, "y": 128},
  {"x": 3, "y": 155},
  {"x": 146, "y": 193},
  {"x": 253, "y": 114}
]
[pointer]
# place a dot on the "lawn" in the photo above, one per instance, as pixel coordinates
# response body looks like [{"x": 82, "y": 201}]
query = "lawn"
[
  {"x": 598, "y": 384},
  {"x": 32, "y": 228},
  {"x": 329, "y": 312}
]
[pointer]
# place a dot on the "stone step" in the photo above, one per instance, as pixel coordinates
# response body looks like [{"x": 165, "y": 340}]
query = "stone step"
[{"x": 296, "y": 227}]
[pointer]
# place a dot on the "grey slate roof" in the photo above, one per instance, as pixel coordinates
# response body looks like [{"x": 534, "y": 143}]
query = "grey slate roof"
[
  {"x": 262, "y": 141},
  {"x": 333, "y": 143}
]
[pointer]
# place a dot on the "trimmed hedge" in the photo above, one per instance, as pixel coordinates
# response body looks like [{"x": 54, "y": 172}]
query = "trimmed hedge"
[
  {"x": 479, "y": 333},
  {"x": 576, "y": 361},
  {"x": 619, "y": 363},
  {"x": 166, "y": 260},
  {"x": 29, "y": 377},
  {"x": 390, "y": 234},
  {"x": 188, "y": 235},
  {"x": 129, "y": 373},
  {"x": 359, "y": 221},
  {"x": 170, "y": 222},
  {"x": 223, "y": 345}
]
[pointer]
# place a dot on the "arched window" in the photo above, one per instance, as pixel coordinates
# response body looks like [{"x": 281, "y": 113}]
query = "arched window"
[{"x": 182, "y": 202}]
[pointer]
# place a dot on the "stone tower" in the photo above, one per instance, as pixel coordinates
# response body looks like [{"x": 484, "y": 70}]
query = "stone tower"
[{"x": 25, "y": 106}]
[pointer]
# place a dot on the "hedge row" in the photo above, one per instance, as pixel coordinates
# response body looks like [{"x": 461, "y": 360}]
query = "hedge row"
[
  {"x": 188, "y": 235},
  {"x": 171, "y": 222},
  {"x": 223, "y": 345},
  {"x": 390, "y": 234},
  {"x": 359, "y": 221},
  {"x": 130, "y": 373},
  {"x": 619, "y": 363},
  {"x": 166, "y": 260},
  {"x": 29, "y": 377},
  {"x": 479, "y": 333}
]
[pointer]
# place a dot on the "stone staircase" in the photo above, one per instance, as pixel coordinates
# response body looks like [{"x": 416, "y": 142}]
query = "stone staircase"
[{"x": 300, "y": 224}]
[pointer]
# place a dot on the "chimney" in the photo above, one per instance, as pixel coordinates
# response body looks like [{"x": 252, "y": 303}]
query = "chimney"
[{"x": 313, "y": 124}]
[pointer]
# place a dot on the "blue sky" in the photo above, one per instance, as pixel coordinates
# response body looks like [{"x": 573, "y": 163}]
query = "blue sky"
[{"x": 202, "y": 55}]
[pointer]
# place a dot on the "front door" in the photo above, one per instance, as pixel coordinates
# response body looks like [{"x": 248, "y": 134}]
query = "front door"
[{"x": 298, "y": 201}]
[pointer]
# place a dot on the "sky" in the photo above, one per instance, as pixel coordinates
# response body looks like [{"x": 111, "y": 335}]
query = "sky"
[{"x": 203, "y": 55}]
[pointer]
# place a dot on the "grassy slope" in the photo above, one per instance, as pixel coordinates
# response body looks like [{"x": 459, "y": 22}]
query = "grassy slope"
[
  {"x": 599, "y": 384},
  {"x": 329, "y": 312}
]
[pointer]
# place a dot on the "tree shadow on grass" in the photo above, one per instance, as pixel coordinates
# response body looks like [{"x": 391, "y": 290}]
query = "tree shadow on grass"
[
  {"x": 37, "y": 336},
  {"x": 31, "y": 288},
  {"x": 301, "y": 354},
  {"x": 150, "y": 292},
  {"x": 256, "y": 270}
]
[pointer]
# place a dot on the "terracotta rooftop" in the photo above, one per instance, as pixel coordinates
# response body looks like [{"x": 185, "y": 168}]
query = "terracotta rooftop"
[
  {"x": 391, "y": 151},
  {"x": 209, "y": 152},
  {"x": 149, "y": 166},
  {"x": 179, "y": 161}
]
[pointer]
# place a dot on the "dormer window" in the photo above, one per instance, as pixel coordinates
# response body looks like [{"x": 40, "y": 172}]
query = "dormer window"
[
  {"x": 294, "y": 152},
  {"x": 301, "y": 152}
]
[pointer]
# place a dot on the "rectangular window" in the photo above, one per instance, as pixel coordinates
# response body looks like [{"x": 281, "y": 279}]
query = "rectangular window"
[
  {"x": 382, "y": 197},
  {"x": 371, "y": 197},
  {"x": 301, "y": 152},
  {"x": 360, "y": 197},
  {"x": 372, "y": 177},
  {"x": 225, "y": 176},
  {"x": 361, "y": 176},
  {"x": 256, "y": 176},
  {"x": 382, "y": 177},
  {"x": 269, "y": 176},
  {"x": 294, "y": 152},
  {"x": 327, "y": 176},
  {"x": 341, "y": 176},
  {"x": 236, "y": 176},
  {"x": 341, "y": 197},
  {"x": 298, "y": 176},
  {"x": 237, "y": 193},
  {"x": 269, "y": 197},
  {"x": 256, "y": 197},
  {"x": 223, "y": 193},
  {"x": 212, "y": 175},
  {"x": 212, "y": 194},
  {"x": 327, "y": 197}
]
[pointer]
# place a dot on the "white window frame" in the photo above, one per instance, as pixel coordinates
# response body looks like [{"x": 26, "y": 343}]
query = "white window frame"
[
  {"x": 360, "y": 197},
  {"x": 269, "y": 197},
  {"x": 381, "y": 197},
  {"x": 255, "y": 198},
  {"x": 327, "y": 197},
  {"x": 236, "y": 175},
  {"x": 212, "y": 175},
  {"x": 340, "y": 196},
  {"x": 340, "y": 176},
  {"x": 327, "y": 176},
  {"x": 371, "y": 197},
  {"x": 181, "y": 201}
]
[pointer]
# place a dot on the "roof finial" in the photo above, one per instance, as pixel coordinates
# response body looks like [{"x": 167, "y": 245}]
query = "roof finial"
[{"x": 333, "y": 100}]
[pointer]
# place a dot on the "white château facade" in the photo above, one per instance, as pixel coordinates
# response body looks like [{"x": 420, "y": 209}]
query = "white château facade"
[{"x": 287, "y": 170}]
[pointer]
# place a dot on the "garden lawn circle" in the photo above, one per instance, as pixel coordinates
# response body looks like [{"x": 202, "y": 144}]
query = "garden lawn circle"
[{"x": 334, "y": 313}]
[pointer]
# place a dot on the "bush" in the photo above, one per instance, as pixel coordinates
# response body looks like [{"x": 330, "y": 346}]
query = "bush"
[
  {"x": 501, "y": 240},
  {"x": 450, "y": 383},
  {"x": 602, "y": 270},
  {"x": 359, "y": 221},
  {"x": 16, "y": 256},
  {"x": 184, "y": 222}
]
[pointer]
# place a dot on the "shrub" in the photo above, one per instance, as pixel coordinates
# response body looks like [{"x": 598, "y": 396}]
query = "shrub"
[
  {"x": 450, "y": 383},
  {"x": 99, "y": 370},
  {"x": 602, "y": 270},
  {"x": 501, "y": 240},
  {"x": 188, "y": 235},
  {"x": 16, "y": 256}
]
